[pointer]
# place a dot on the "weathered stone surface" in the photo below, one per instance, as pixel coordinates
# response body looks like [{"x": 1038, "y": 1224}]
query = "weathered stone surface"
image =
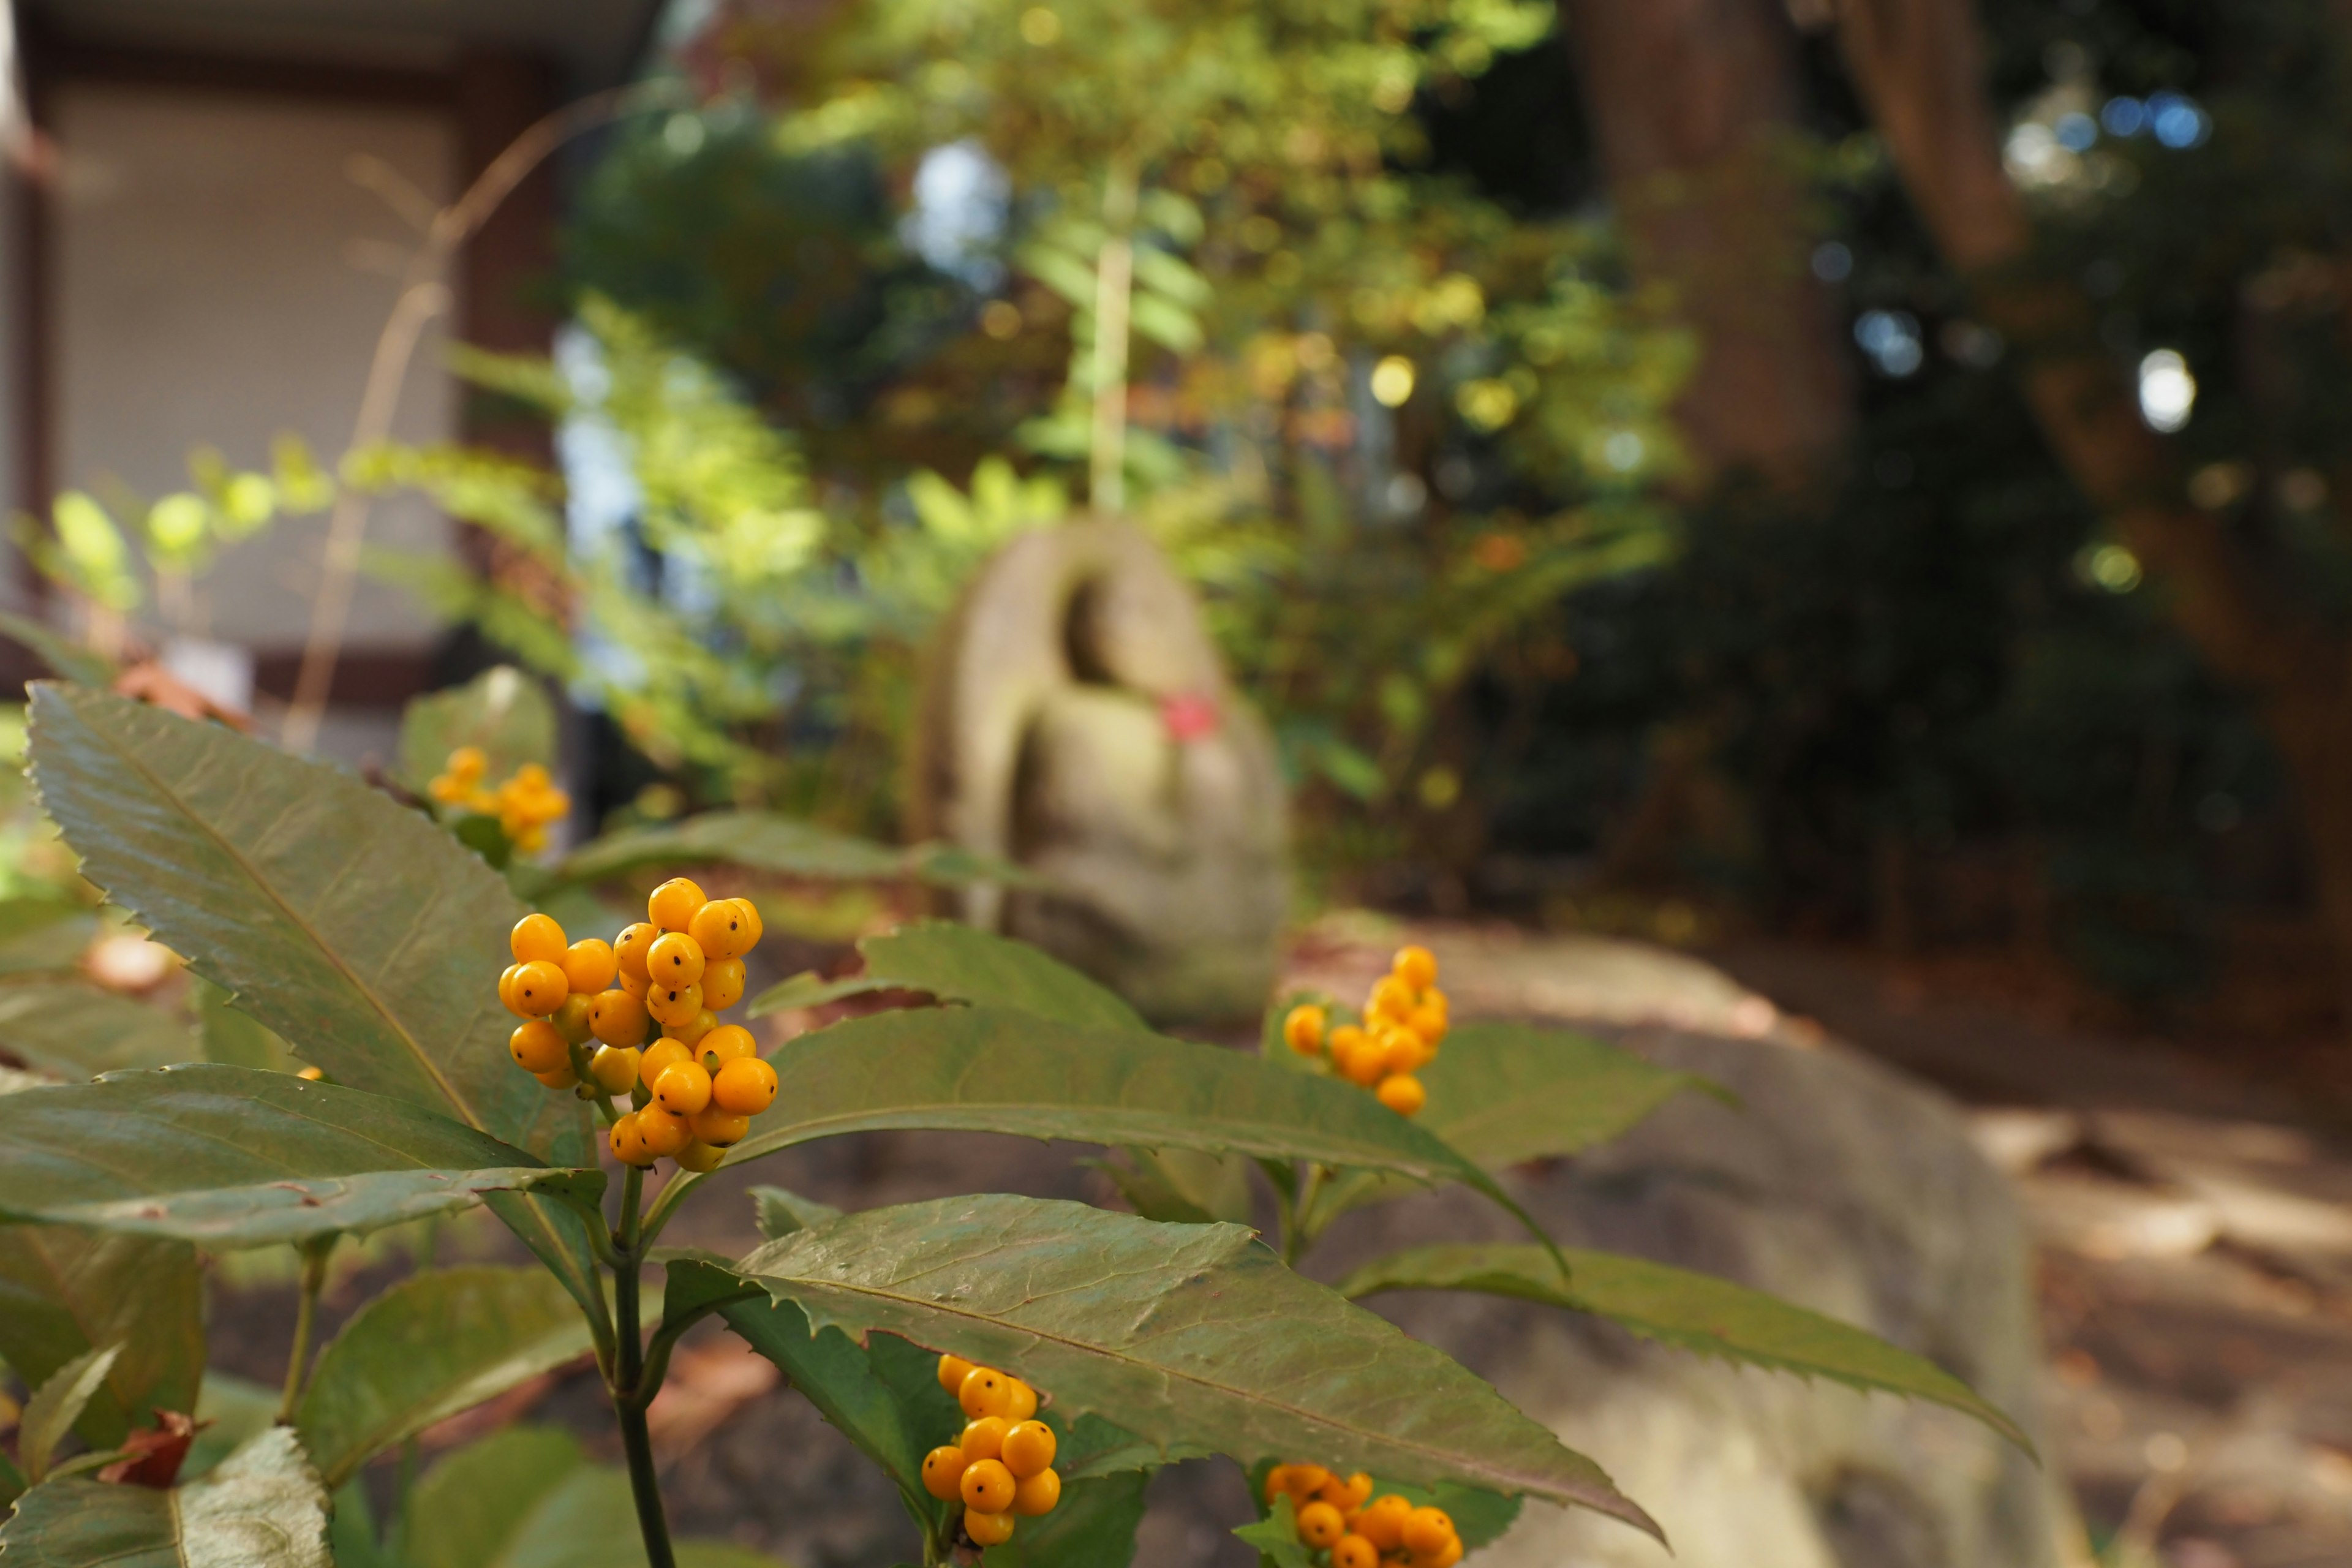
[{"x": 1076, "y": 721}]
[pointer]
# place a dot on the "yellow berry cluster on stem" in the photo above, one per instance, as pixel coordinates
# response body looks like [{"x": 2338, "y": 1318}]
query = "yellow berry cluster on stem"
[
  {"x": 1405, "y": 1022},
  {"x": 1002, "y": 1466},
  {"x": 525, "y": 804},
  {"x": 692, "y": 1093},
  {"x": 1350, "y": 1528}
]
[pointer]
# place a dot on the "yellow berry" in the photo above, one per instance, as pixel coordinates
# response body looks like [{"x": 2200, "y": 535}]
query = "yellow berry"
[
  {"x": 635, "y": 984},
  {"x": 1400, "y": 1050},
  {"x": 1038, "y": 1494},
  {"x": 537, "y": 990},
  {"x": 751, "y": 919},
  {"x": 675, "y": 959},
  {"x": 723, "y": 983},
  {"x": 1427, "y": 1531},
  {"x": 954, "y": 1370},
  {"x": 747, "y": 1086},
  {"x": 674, "y": 1004},
  {"x": 988, "y": 1529},
  {"x": 506, "y": 985},
  {"x": 1364, "y": 1060},
  {"x": 1028, "y": 1448},
  {"x": 1392, "y": 998},
  {"x": 1402, "y": 1093},
  {"x": 700, "y": 1156},
  {"x": 1277, "y": 1481},
  {"x": 1382, "y": 1524},
  {"x": 987, "y": 1486},
  {"x": 682, "y": 1088},
  {"x": 1429, "y": 1023},
  {"x": 1024, "y": 1402},
  {"x": 562, "y": 1077},
  {"x": 1354, "y": 1552},
  {"x": 727, "y": 1043},
  {"x": 589, "y": 964},
  {"x": 987, "y": 1392},
  {"x": 571, "y": 1020},
  {"x": 1446, "y": 1556},
  {"x": 614, "y": 1068},
  {"x": 1319, "y": 1525},
  {"x": 537, "y": 938},
  {"x": 665, "y": 1133},
  {"x": 943, "y": 1472},
  {"x": 984, "y": 1438},
  {"x": 1304, "y": 1479},
  {"x": 537, "y": 1048},
  {"x": 618, "y": 1018},
  {"x": 674, "y": 904},
  {"x": 1359, "y": 1491},
  {"x": 718, "y": 1127},
  {"x": 628, "y": 1141},
  {"x": 719, "y": 928},
  {"x": 690, "y": 1033},
  {"x": 659, "y": 1057},
  {"x": 1303, "y": 1029},
  {"x": 468, "y": 763},
  {"x": 1416, "y": 966},
  {"x": 630, "y": 947}
]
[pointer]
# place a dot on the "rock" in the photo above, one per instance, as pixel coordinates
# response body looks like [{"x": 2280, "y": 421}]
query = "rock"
[
  {"x": 1837, "y": 1185},
  {"x": 1076, "y": 721}
]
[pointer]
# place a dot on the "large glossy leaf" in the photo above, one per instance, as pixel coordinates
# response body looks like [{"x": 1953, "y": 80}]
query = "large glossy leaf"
[
  {"x": 1192, "y": 1337},
  {"x": 1694, "y": 1311},
  {"x": 235, "y": 1157},
  {"x": 346, "y": 922},
  {"x": 502, "y": 711},
  {"x": 65, "y": 1291},
  {"x": 959, "y": 963},
  {"x": 528, "y": 1498},
  {"x": 995, "y": 1069},
  {"x": 434, "y": 1344},
  {"x": 70, "y": 1029},
  {"x": 261, "y": 1507},
  {"x": 787, "y": 846}
]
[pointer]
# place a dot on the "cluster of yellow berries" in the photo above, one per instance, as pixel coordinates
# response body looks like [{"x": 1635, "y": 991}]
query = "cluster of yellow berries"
[
  {"x": 692, "y": 1092},
  {"x": 525, "y": 804},
  {"x": 1405, "y": 1022},
  {"x": 1358, "y": 1529},
  {"x": 1003, "y": 1463}
]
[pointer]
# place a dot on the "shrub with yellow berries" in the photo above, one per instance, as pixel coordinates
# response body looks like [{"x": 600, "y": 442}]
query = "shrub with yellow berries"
[
  {"x": 693, "y": 1091},
  {"x": 1002, "y": 1466},
  {"x": 1404, "y": 1021},
  {"x": 525, "y": 804},
  {"x": 1350, "y": 1528}
]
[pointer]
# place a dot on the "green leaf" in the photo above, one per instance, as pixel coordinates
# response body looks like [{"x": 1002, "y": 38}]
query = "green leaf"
[
  {"x": 262, "y": 1508},
  {"x": 1163, "y": 1330},
  {"x": 1182, "y": 1186},
  {"x": 65, "y": 1291},
  {"x": 779, "y": 1213},
  {"x": 958, "y": 963},
  {"x": 504, "y": 712},
  {"x": 43, "y": 935},
  {"x": 72, "y": 1029},
  {"x": 349, "y": 925},
  {"x": 233, "y": 1039},
  {"x": 1694, "y": 1311},
  {"x": 1277, "y": 1537},
  {"x": 1093, "y": 1527},
  {"x": 765, "y": 841},
  {"x": 56, "y": 1405},
  {"x": 233, "y": 1157},
  {"x": 60, "y": 653},
  {"x": 1504, "y": 1093},
  {"x": 434, "y": 1344}
]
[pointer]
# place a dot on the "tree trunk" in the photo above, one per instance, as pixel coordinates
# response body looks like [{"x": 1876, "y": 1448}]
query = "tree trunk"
[
  {"x": 1918, "y": 66},
  {"x": 1694, "y": 105}
]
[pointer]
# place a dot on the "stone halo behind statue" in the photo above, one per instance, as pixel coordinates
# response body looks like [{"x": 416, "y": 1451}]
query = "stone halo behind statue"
[{"x": 1074, "y": 720}]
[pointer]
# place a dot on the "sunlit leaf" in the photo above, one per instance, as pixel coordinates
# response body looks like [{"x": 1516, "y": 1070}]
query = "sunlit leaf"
[
  {"x": 261, "y": 1507},
  {"x": 501, "y": 711},
  {"x": 960, "y": 963},
  {"x": 1692, "y": 1311},
  {"x": 235, "y": 1157},
  {"x": 434, "y": 1344},
  {"x": 65, "y": 1291},
  {"x": 1163, "y": 1329}
]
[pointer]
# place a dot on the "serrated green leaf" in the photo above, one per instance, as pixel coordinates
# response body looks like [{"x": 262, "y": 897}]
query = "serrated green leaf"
[
  {"x": 233, "y": 1039},
  {"x": 434, "y": 1344},
  {"x": 1693, "y": 1311},
  {"x": 764, "y": 841},
  {"x": 1504, "y": 1093},
  {"x": 1093, "y": 1526},
  {"x": 1163, "y": 1329},
  {"x": 72, "y": 1029},
  {"x": 502, "y": 711},
  {"x": 262, "y": 1508},
  {"x": 65, "y": 1291},
  {"x": 777, "y": 1212},
  {"x": 233, "y": 1157},
  {"x": 350, "y": 925},
  {"x": 1277, "y": 1537},
  {"x": 959, "y": 963},
  {"x": 56, "y": 1405}
]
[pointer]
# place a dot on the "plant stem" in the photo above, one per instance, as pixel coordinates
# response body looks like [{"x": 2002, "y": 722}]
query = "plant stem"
[
  {"x": 629, "y": 1397},
  {"x": 315, "y": 1254}
]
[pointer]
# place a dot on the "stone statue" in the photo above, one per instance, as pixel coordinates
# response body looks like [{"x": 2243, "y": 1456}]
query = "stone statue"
[{"x": 1075, "y": 721}]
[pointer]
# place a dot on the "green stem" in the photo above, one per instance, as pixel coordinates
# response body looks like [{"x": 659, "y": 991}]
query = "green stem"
[
  {"x": 315, "y": 1254},
  {"x": 630, "y": 1397},
  {"x": 1298, "y": 1218}
]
